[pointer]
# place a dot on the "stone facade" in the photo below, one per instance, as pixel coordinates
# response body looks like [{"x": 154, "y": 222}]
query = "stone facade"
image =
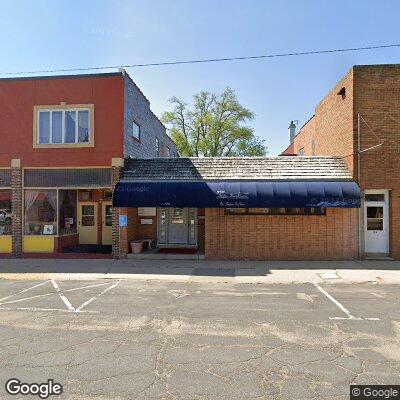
[{"x": 137, "y": 109}]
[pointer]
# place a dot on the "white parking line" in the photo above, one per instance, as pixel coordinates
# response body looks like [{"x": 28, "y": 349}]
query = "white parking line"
[
  {"x": 23, "y": 291},
  {"x": 341, "y": 307},
  {"x": 61, "y": 294},
  {"x": 86, "y": 303}
]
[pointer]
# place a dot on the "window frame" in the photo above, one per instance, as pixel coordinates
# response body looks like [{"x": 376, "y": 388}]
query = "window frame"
[
  {"x": 300, "y": 153},
  {"x": 139, "y": 131},
  {"x": 63, "y": 107},
  {"x": 277, "y": 211}
]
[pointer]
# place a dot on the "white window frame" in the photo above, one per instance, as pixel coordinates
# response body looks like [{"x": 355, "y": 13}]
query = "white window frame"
[{"x": 63, "y": 109}]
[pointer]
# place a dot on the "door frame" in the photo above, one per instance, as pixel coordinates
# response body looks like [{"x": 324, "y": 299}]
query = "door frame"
[
  {"x": 104, "y": 204},
  {"x": 386, "y": 216},
  {"x": 96, "y": 213},
  {"x": 166, "y": 243}
]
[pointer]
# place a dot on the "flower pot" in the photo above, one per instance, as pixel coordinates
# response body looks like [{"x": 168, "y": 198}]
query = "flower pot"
[{"x": 136, "y": 247}]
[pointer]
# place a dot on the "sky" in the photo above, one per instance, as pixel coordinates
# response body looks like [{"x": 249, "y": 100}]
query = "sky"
[{"x": 40, "y": 34}]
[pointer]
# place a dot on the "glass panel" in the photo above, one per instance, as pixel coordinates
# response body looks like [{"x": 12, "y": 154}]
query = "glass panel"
[
  {"x": 40, "y": 212},
  {"x": 163, "y": 225},
  {"x": 177, "y": 216},
  {"x": 108, "y": 220},
  {"x": 87, "y": 220},
  {"x": 44, "y": 127},
  {"x": 83, "y": 126},
  {"x": 70, "y": 126},
  {"x": 108, "y": 209},
  {"x": 236, "y": 210},
  {"x": 135, "y": 130},
  {"x": 56, "y": 127},
  {"x": 67, "y": 203},
  {"x": 374, "y": 197},
  {"x": 87, "y": 210},
  {"x": 5, "y": 212},
  {"x": 374, "y": 212},
  {"x": 192, "y": 225},
  {"x": 374, "y": 224}
]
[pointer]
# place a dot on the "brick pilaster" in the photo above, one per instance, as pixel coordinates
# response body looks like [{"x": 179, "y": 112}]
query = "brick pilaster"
[
  {"x": 119, "y": 240},
  {"x": 16, "y": 203}
]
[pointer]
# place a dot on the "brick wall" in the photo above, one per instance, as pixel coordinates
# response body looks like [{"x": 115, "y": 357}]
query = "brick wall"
[
  {"x": 332, "y": 126},
  {"x": 137, "y": 109},
  {"x": 261, "y": 237},
  {"x": 377, "y": 99}
]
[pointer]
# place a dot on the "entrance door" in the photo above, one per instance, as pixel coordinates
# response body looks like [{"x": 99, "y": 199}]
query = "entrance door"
[
  {"x": 87, "y": 227},
  {"x": 178, "y": 226},
  {"x": 376, "y": 218},
  {"x": 107, "y": 223}
]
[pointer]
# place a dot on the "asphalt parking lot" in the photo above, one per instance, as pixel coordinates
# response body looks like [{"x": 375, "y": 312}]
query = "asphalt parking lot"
[{"x": 116, "y": 339}]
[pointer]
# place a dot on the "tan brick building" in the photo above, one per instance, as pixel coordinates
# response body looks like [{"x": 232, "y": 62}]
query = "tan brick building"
[{"x": 359, "y": 121}]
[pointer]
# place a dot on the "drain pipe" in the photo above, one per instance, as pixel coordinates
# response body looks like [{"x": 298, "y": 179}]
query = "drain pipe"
[{"x": 360, "y": 212}]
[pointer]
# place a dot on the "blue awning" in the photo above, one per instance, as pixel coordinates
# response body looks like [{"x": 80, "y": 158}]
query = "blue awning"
[{"x": 237, "y": 194}]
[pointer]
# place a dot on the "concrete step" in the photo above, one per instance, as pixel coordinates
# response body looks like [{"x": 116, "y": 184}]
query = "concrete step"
[{"x": 165, "y": 256}]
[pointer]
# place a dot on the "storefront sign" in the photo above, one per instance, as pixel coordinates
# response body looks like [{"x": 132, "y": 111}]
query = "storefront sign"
[
  {"x": 146, "y": 221},
  {"x": 147, "y": 211}
]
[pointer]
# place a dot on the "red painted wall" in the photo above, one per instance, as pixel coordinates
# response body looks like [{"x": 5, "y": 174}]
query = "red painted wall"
[{"x": 18, "y": 97}]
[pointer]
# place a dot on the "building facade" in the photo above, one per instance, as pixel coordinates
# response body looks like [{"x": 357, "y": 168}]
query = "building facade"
[
  {"x": 359, "y": 121},
  {"x": 64, "y": 139},
  {"x": 254, "y": 208}
]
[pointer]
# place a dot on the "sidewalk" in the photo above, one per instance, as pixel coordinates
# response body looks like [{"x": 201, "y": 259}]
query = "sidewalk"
[{"x": 263, "y": 272}]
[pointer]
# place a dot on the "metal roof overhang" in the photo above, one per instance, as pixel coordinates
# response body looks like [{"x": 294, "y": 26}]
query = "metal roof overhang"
[{"x": 237, "y": 194}]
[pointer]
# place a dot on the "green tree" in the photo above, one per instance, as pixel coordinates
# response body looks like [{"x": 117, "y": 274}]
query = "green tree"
[{"x": 215, "y": 126}]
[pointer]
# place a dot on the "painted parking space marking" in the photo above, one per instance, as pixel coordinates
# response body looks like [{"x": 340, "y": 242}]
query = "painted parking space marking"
[
  {"x": 60, "y": 293},
  {"x": 341, "y": 307},
  {"x": 25, "y": 290},
  {"x": 62, "y": 296},
  {"x": 86, "y": 303}
]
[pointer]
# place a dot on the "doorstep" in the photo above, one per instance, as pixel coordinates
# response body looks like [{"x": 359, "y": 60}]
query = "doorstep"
[{"x": 165, "y": 256}]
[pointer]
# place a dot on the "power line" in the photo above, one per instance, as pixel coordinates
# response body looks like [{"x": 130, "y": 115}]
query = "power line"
[{"x": 200, "y": 61}]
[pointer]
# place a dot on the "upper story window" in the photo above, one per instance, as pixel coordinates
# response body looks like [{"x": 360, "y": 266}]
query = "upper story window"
[
  {"x": 135, "y": 131},
  {"x": 167, "y": 151},
  {"x": 301, "y": 152},
  {"x": 63, "y": 126},
  {"x": 313, "y": 151}
]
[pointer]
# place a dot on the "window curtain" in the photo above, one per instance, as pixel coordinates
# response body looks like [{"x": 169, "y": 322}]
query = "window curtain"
[
  {"x": 30, "y": 197},
  {"x": 52, "y": 199}
]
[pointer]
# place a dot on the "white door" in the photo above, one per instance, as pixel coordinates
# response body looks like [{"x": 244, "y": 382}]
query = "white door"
[
  {"x": 87, "y": 223},
  {"x": 376, "y": 221},
  {"x": 178, "y": 226}
]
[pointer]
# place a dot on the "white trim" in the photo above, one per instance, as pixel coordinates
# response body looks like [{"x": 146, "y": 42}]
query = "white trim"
[
  {"x": 386, "y": 219},
  {"x": 63, "y": 125}
]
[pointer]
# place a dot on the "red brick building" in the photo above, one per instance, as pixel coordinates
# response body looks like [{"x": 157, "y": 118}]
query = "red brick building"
[
  {"x": 359, "y": 121},
  {"x": 63, "y": 142}
]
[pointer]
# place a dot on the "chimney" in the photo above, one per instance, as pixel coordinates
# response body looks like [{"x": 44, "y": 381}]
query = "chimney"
[{"x": 292, "y": 131}]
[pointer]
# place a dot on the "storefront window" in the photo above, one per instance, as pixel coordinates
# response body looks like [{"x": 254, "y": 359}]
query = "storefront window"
[
  {"x": 67, "y": 203},
  {"x": 40, "y": 212},
  {"x": 5, "y": 212}
]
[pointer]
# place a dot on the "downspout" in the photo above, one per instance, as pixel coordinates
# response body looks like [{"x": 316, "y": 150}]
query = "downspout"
[{"x": 360, "y": 212}]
